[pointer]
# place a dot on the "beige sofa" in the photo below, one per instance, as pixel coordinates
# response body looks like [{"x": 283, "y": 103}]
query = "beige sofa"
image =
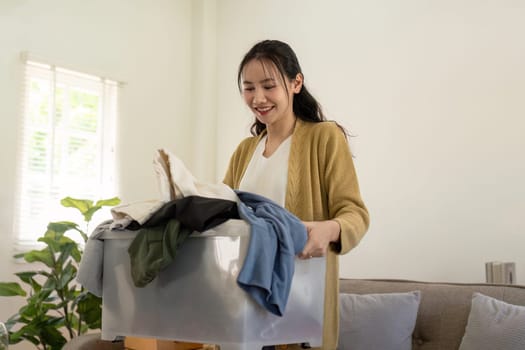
[
  {"x": 444, "y": 308},
  {"x": 442, "y": 313}
]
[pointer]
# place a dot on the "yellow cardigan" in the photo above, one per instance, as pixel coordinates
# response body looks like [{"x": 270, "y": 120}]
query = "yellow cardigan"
[{"x": 322, "y": 185}]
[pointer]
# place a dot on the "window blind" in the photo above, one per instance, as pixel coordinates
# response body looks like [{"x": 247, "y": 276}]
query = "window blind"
[{"x": 67, "y": 145}]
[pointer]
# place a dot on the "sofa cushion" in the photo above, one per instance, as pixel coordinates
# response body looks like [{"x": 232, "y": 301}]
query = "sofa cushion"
[
  {"x": 377, "y": 321},
  {"x": 444, "y": 307},
  {"x": 494, "y": 324}
]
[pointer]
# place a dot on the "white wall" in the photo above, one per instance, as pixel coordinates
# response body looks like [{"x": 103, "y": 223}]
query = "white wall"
[
  {"x": 434, "y": 92},
  {"x": 146, "y": 44},
  {"x": 204, "y": 89}
]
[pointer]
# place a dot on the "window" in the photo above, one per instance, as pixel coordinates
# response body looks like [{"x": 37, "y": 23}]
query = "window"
[{"x": 67, "y": 145}]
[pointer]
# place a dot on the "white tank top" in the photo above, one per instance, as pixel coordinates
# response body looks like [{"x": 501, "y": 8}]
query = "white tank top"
[{"x": 268, "y": 176}]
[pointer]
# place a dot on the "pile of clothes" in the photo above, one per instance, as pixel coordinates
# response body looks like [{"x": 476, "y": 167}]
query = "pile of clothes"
[{"x": 189, "y": 206}]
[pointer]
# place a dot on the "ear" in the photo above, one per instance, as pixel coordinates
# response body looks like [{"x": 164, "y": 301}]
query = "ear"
[{"x": 297, "y": 83}]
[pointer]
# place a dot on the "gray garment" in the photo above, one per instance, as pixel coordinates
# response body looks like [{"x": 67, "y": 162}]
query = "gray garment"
[{"x": 91, "y": 265}]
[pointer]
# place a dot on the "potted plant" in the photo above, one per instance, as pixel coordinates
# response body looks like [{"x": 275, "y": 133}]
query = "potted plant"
[{"x": 57, "y": 308}]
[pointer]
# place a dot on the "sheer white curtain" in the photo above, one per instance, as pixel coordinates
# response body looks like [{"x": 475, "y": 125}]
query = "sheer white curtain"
[{"x": 67, "y": 145}]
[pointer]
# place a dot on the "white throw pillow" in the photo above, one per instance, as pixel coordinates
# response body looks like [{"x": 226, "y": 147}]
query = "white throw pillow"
[
  {"x": 494, "y": 324},
  {"x": 377, "y": 321}
]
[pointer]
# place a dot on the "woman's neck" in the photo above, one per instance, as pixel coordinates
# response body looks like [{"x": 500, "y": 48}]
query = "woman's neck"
[{"x": 276, "y": 134}]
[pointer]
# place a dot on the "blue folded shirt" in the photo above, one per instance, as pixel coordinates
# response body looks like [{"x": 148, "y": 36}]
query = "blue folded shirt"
[{"x": 277, "y": 236}]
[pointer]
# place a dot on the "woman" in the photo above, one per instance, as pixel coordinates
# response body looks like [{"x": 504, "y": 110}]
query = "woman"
[{"x": 301, "y": 161}]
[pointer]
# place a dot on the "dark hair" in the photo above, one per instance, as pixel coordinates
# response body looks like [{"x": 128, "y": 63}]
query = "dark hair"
[{"x": 305, "y": 106}]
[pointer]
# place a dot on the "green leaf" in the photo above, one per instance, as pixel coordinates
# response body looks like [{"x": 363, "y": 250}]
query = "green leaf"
[
  {"x": 65, "y": 253},
  {"x": 82, "y": 205},
  {"x": 32, "y": 339},
  {"x": 30, "y": 310},
  {"x": 19, "y": 335},
  {"x": 73, "y": 321},
  {"x": 84, "y": 236},
  {"x": 37, "y": 306},
  {"x": 89, "y": 309},
  {"x": 61, "y": 226},
  {"x": 44, "y": 256},
  {"x": 86, "y": 207},
  {"x": 75, "y": 254},
  {"x": 74, "y": 292},
  {"x": 52, "y": 243},
  {"x": 19, "y": 255},
  {"x": 45, "y": 273},
  {"x": 9, "y": 289},
  {"x": 111, "y": 202},
  {"x": 84, "y": 328},
  {"x": 27, "y": 276},
  {"x": 51, "y": 336},
  {"x": 31, "y": 330},
  {"x": 11, "y": 321},
  {"x": 48, "y": 287},
  {"x": 55, "y": 321},
  {"x": 68, "y": 274},
  {"x": 88, "y": 215},
  {"x": 45, "y": 307},
  {"x": 14, "y": 339}
]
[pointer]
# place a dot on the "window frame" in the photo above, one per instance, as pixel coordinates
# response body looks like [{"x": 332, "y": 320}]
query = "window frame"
[{"x": 104, "y": 186}]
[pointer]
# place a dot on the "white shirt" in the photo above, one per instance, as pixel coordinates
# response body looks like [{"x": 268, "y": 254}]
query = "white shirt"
[{"x": 268, "y": 176}]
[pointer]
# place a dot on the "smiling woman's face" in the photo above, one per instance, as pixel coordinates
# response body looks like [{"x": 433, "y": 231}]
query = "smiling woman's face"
[{"x": 266, "y": 94}]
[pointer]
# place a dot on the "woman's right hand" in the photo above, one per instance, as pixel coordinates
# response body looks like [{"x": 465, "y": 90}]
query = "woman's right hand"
[{"x": 320, "y": 235}]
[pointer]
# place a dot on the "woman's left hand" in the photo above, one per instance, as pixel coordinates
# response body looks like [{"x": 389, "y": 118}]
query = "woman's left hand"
[{"x": 320, "y": 234}]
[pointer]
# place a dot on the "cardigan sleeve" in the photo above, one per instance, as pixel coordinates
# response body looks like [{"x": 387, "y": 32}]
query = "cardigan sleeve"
[
  {"x": 345, "y": 204},
  {"x": 228, "y": 178},
  {"x": 238, "y": 162}
]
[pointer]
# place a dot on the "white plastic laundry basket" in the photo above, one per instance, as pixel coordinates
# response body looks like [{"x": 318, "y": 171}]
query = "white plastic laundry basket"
[{"x": 197, "y": 298}]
